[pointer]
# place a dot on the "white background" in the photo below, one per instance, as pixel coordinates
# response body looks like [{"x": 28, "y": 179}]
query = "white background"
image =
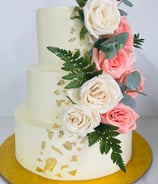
[{"x": 18, "y": 49}]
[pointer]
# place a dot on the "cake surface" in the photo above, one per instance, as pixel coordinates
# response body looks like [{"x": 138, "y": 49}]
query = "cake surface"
[{"x": 58, "y": 130}]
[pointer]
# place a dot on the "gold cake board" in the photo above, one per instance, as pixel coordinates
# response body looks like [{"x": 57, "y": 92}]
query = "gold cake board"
[{"x": 13, "y": 173}]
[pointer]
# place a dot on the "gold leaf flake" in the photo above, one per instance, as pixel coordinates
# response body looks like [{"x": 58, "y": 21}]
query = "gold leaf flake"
[
  {"x": 83, "y": 141},
  {"x": 64, "y": 167},
  {"x": 43, "y": 144},
  {"x": 38, "y": 169},
  {"x": 57, "y": 92},
  {"x": 68, "y": 145},
  {"x": 50, "y": 164},
  {"x": 64, "y": 91},
  {"x": 72, "y": 39},
  {"x": 58, "y": 115},
  {"x": 73, "y": 172},
  {"x": 59, "y": 102},
  {"x": 55, "y": 125},
  {"x": 61, "y": 134},
  {"x": 39, "y": 160},
  {"x": 72, "y": 30},
  {"x": 79, "y": 149},
  {"x": 57, "y": 150},
  {"x": 84, "y": 51},
  {"x": 50, "y": 134},
  {"x": 61, "y": 82},
  {"x": 74, "y": 158},
  {"x": 68, "y": 102},
  {"x": 58, "y": 175}
]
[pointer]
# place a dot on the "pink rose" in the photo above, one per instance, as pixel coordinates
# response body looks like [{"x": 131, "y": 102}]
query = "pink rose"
[
  {"x": 121, "y": 116},
  {"x": 116, "y": 66},
  {"x": 140, "y": 88},
  {"x": 124, "y": 26}
]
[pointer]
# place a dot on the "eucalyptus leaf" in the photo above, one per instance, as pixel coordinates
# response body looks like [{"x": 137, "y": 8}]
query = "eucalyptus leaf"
[
  {"x": 128, "y": 3},
  {"x": 129, "y": 101},
  {"x": 112, "y": 45},
  {"x": 122, "y": 12},
  {"x": 133, "y": 80}
]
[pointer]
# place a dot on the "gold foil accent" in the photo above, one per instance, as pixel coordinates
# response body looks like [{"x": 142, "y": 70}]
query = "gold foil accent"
[
  {"x": 84, "y": 140},
  {"x": 43, "y": 144},
  {"x": 55, "y": 125},
  {"x": 57, "y": 92},
  {"x": 39, "y": 160},
  {"x": 59, "y": 102},
  {"x": 72, "y": 30},
  {"x": 79, "y": 149},
  {"x": 57, "y": 150},
  {"x": 74, "y": 158},
  {"x": 58, "y": 175},
  {"x": 50, "y": 134},
  {"x": 61, "y": 82},
  {"x": 58, "y": 115},
  {"x": 73, "y": 172},
  {"x": 68, "y": 145},
  {"x": 38, "y": 169},
  {"x": 50, "y": 164},
  {"x": 64, "y": 91},
  {"x": 61, "y": 134},
  {"x": 72, "y": 39},
  {"x": 64, "y": 167}
]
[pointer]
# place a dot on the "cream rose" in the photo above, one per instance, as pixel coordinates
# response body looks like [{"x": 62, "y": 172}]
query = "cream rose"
[
  {"x": 80, "y": 120},
  {"x": 101, "y": 17},
  {"x": 100, "y": 93}
]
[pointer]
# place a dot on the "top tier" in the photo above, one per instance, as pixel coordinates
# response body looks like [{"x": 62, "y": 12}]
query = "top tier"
[{"x": 56, "y": 28}]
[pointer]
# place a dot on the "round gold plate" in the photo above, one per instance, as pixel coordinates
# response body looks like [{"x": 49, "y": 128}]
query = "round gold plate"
[{"x": 13, "y": 173}]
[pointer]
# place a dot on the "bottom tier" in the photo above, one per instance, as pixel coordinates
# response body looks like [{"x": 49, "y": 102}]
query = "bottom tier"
[{"x": 45, "y": 149}]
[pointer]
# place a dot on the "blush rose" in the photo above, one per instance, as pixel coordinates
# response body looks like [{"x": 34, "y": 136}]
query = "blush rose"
[
  {"x": 121, "y": 116},
  {"x": 116, "y": 66}
]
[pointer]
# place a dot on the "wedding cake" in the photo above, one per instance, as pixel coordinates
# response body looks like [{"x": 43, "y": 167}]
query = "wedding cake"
[{"x": 78, "y": 118}]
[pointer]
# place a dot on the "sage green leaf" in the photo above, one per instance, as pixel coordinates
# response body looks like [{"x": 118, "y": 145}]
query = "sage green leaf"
[
  {"x": 122, "y": 12},
  {"x": 129, "y": 101},
  {"x": 112, "y": 45},
  {"x": 133, "y": 80},
  {"x": 128, "y": 3}
]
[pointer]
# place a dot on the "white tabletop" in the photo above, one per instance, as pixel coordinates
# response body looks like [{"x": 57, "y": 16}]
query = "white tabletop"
[{"x": 146, "y": 126}]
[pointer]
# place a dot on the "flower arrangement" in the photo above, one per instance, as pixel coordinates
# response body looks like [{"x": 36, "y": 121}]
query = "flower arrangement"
[{"x": 103, "y": 82}]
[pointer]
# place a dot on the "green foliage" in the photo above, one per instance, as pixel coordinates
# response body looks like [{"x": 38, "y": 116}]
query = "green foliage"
[
  {"x": 106, "y": 136},
  {"x": 138, "y": 42},
  {"x": 127, "y": 2},
  {"x": 110, "y": 46},
  {"x": 122, "y": 12},
  {"x": 83, "y": 32},
  {"x": 81, "y": 3},
  {"x": 133, "y": 80},
  {"x": 79, "y": 68},
  {"x": 129, "y": 101}
]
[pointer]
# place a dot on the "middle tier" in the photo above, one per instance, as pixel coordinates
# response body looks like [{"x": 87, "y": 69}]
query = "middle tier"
[{"x": 46, "y": 94}]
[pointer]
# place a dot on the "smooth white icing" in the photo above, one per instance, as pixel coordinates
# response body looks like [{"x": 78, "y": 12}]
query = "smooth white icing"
[
  {"x": 44, "y": 93},
  {"x": 87, "y": 161},
  {"x": 55, "y": 28}
]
